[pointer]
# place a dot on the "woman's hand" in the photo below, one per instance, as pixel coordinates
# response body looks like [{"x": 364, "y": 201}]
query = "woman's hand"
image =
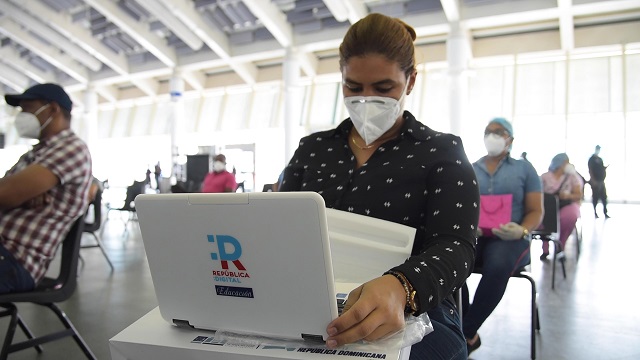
[
  {"x": 509, "y": 231},
  {"x": 373, "y": 310}
]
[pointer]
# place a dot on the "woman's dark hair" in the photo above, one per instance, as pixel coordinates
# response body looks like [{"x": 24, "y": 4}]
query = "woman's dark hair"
[{"x": 380, "y": 34}]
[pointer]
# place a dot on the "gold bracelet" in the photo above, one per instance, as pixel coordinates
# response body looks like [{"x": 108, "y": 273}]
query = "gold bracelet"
[{"x": 410, "y": 306}]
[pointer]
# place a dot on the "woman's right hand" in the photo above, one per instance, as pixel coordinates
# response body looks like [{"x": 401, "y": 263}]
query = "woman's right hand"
[{"x": 373, "y": 310}]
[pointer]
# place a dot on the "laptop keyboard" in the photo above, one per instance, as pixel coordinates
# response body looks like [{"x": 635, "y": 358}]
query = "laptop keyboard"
[{"x": 341, "y": 299}]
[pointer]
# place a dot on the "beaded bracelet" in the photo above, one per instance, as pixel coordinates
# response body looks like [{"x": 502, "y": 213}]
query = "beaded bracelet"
[{"x": 410, "y": 307}]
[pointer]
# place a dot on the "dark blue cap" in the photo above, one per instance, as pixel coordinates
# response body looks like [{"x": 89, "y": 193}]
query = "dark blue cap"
[{"x": 47, "y": 92}]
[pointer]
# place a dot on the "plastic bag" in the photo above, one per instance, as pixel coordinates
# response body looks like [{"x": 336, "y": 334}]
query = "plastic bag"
[{"x": 416, "y": 327}]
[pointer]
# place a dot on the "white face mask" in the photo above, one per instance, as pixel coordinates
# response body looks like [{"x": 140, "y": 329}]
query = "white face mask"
[
  {"x": 372, "y": 116},
  {"x": 569, "y": 169},
  {"x": 218, "y": 166},
  {"x": 495, "y": 144},
  {"x": 28, "y": 125}
]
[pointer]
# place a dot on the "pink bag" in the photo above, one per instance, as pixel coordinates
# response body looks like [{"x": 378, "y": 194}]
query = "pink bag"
[{"x": 494, "y": 210}]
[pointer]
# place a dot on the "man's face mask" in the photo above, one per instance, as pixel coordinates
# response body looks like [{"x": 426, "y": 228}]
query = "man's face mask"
[
  {"x": 218, "y": 166},
  {"x": 28, "y": 125},
  {"x": 372, "y": 116}
]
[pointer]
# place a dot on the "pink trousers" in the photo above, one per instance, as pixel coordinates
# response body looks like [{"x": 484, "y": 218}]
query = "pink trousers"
[{"x": 569, "y": 214}]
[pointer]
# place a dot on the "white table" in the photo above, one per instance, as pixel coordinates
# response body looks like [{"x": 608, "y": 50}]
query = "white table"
[{"x": 151, "y": 338}]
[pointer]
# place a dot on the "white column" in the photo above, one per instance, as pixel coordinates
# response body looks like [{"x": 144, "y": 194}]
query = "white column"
[
  {"x": 90, "y": 116},
  {"x": 458, "y": 56},
  {"x": 292, "y": 102},
  {"x": 176, "y": 88}
]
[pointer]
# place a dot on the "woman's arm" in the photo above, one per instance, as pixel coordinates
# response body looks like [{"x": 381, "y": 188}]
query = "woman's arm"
[{"x": 445, "y": 260}]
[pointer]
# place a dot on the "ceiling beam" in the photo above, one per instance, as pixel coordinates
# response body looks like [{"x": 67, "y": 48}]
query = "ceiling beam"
[
  {"x": 273, "y": 19},
  {"x": 215, "y": 40},
  {"x": 308, "y": 63},
  {"x": 110, "y": 93},
  {"x": 195, "y": 79},
  {"x": 13, "y": 79},
  {"x": 356, "y": 10},
  {"x": 148, "y": 86},
  {"x": 78, "y": 34},
  {"x": 479, "y": 18},
  {"x": 138, "y": 31},
  {"x": 174, "y": 24},
  {"x": 343, "y": 10},
  {"x": 51, "y": 36},
  {"x": 11, "y": 56},
  {"x": 50, "y": 54},
  {"x": 605, "y": 6},
  {"x": 276, "y": 22},
  {"x": 451, "y": 10}
]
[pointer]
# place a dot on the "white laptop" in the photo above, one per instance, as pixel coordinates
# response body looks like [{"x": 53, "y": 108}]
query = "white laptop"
[{"x": 245, "y": 262}]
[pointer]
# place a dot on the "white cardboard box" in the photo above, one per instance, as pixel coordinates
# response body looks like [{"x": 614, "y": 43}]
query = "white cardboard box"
[{"x": 151, "y": 338}]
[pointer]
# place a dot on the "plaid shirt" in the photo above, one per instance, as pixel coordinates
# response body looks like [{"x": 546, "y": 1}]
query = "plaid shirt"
[{"x": 32, "y": 235}]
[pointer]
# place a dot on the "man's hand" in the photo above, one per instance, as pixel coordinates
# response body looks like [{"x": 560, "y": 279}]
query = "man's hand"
[
  {"x": 25, "y": 186},
  {"x": 373, "y": 310},
  {"x": 38, "y": 201}
]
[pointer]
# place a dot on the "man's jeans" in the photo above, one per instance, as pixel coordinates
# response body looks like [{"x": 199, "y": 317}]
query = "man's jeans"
[{"x": 13, "y": 276}]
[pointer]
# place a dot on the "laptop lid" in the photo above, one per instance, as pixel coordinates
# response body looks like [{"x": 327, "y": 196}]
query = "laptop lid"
[
  {"x": 246, "y": 262},
  {"x": 363, "y": 247}
]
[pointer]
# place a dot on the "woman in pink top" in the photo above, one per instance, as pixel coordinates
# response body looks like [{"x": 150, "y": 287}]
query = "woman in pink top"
[{"x": 563, "y": 180}]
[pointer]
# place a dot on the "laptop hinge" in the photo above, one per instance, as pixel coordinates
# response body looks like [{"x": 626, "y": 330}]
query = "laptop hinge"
[
  {"x": 184, "y": 324},
  {"x": 312, "y": 338}
]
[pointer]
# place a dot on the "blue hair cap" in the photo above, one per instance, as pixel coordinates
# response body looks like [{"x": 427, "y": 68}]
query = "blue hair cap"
[
  {"x": 504, "y": 123},
  {"x": 557, "y": 161}
]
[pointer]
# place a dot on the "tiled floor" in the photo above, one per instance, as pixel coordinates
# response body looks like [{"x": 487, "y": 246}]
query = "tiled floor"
[{"x": 591, "y": 314}]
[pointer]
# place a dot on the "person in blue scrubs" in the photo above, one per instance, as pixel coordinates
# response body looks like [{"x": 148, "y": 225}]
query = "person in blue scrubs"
[{"x": 506, "y": 248}]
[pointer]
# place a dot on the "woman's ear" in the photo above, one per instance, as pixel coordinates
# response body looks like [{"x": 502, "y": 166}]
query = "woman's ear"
[{"x": 412, "y": 81}]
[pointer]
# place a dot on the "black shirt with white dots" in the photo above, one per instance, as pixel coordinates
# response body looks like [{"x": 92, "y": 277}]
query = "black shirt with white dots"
[{"x": 421, "y": 179}]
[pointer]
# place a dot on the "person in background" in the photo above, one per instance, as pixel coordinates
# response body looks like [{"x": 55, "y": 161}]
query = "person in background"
[
  {"x": 597, "y": 173},
  {"x": 563, "y": 181},
  {"x": 276, "y": 185},
  {"x": 219, "y": 180},
  {"x": 506, "y": 248},
  {"x": 383, "y": 163},
  {"x": 157, "y": 172},
  {"x": 523, "y": 156},
  {"x": 45, "y": 191}
]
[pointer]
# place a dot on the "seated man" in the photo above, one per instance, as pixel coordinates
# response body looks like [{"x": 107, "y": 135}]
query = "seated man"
[{"x": 45, "y": 191}]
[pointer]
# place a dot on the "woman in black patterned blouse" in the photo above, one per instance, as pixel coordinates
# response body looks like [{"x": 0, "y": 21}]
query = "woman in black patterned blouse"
[{"x": 383, "y": 163}]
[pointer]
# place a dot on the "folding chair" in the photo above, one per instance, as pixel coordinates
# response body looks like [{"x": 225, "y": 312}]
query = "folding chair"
[
  {"x": 47, "y": 293},
  {"x": 549, "y": 231},
  {"x": 92, "y": 227},
  {"x": 577, "y": 230},
  {"x": 535, "y": 317},
  {"x": 129, "y": 207}
]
